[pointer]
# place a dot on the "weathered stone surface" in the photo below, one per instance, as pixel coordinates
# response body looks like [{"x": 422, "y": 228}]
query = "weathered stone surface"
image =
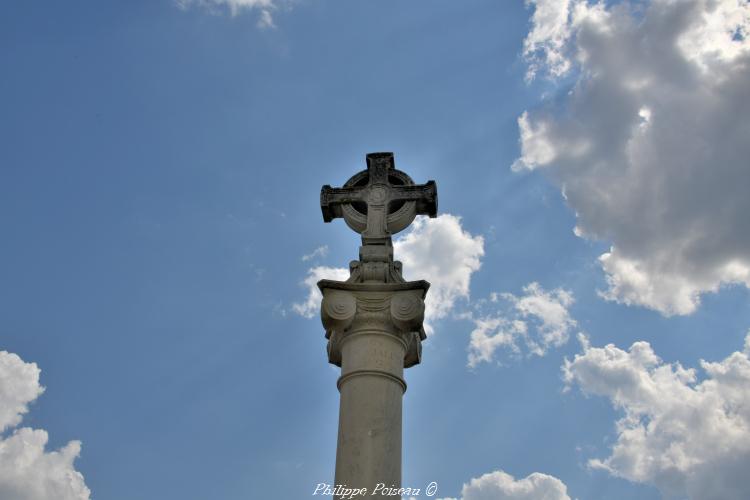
[
  {"x": 373, "y": 321},
  {"x": 394, "y": 308},
  {"x": 379, "y": 201}
]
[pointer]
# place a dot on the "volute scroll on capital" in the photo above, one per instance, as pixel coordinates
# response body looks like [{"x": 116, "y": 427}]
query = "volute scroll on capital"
[
  {"x": 337, "y": 310},
  {"x": 407, "y": 311}
]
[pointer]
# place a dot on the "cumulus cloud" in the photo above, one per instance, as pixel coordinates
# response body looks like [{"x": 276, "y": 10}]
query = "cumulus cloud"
[
  {"x": 685, "y": 436},
  {"x": 27, "y": 470},
  {"x": 442, "y": 252},
  {"x": 500, "y": 485},
  {"x": 264, "y": 8},
  {"x": 650, "y": 142},
  {"x": 438, "y": 250},
  {"x": 536, "y": 320},
  {"x": 544, "y": 45},
  {"x": 19, "y": 385}
]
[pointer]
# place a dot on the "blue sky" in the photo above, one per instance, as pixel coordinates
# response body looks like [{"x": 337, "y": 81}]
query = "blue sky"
[{"x": 160, "y": 171}]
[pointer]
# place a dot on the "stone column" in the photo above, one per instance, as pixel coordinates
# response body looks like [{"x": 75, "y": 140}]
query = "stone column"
[
  {"x": 371, "y": 387},
  {"x": 373, "y": 336},
  {"x": 373, "y": 323}
]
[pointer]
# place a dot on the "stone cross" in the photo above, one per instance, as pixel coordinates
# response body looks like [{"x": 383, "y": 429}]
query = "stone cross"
[
  {"x": 382, "y": 192},
  {"x": 373, "y": 324}
]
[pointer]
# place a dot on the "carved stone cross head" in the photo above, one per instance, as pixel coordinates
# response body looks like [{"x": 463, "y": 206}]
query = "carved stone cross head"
[{"x": 379, "y": 201}]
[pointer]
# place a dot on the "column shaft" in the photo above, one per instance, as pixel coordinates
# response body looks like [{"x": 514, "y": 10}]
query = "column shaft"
[{"x": 372, "y": 388}]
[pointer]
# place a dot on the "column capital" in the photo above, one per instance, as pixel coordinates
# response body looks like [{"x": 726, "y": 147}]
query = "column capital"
[{"x": 394, "y": 309}]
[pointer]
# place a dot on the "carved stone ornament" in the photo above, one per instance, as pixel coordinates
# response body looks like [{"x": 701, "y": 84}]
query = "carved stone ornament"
[{"x": 377, "y": 203}]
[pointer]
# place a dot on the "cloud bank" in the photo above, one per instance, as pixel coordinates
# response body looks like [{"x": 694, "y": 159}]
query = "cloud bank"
[
  {"x": 27, "y": 471},
  {"x": 535, "y": 322},
  {"x": 500, "y": 485},
  {"x": 650, "y": 143},
  {"x": 686, "y": 437}
]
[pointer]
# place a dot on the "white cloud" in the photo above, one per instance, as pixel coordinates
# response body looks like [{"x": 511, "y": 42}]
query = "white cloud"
[
  {"x": 684, "y": 436},
  {"x": 545, "y": 44},
  {"x": 19, "y": 385},
  {"x": 321, "y": 251},
  {"x": 27, "y": 471},
  {"x": 264, "y": 8},
  {"x": 500, "y": 485},
  {"x": 311, "y": 306},
  {"x": 650, "y": 145},
  {"x": 539, "y": 319},
  {"x": 440, "y": 251}
]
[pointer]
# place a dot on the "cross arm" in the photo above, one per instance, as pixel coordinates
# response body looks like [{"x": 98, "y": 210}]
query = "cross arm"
[
  {"x": 331, "y": 200},
  {"x": 424, "y": 194}
]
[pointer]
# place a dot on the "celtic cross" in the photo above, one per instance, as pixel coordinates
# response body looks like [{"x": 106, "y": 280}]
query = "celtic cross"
[{"x": 379, "y": 201}]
